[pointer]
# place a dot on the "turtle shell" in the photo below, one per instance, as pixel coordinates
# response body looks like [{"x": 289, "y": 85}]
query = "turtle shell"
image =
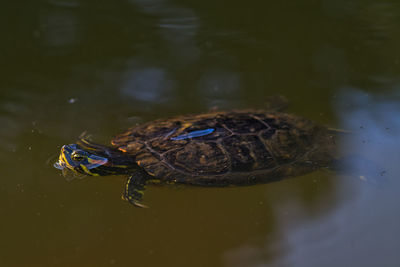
[{"x": 224, "y": 148}]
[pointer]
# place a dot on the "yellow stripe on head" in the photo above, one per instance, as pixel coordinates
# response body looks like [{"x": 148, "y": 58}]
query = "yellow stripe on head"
[{"x": 87, "y": 170}]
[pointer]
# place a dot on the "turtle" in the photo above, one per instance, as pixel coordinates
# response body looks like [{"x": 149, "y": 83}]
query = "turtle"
[{"x": 218, "y": 148}]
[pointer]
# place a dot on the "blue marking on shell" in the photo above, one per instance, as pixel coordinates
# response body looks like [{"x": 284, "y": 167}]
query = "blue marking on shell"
[{"x": 193, "y": 134}]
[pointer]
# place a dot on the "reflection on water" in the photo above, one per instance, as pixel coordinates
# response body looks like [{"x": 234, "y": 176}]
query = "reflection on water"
[
  {"x": 59, "y": 29},
  {"x": 218, "y": 87},
  {"x": 148, "y": 85},
  {"x": 377, "y": 22},
  {"x": 375, "y": 121},
  {"x": 177, "y": 25},
  {"x": 347, "y": 233}
]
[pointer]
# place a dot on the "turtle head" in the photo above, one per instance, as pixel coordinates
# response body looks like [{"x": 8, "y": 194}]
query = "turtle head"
[{"x": 89, "y": 158}]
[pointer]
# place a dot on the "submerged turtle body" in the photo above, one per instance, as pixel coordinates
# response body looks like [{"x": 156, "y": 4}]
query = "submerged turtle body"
[
  {"x": 214, "y": 149},
  {"x": 229, "y": 148}
]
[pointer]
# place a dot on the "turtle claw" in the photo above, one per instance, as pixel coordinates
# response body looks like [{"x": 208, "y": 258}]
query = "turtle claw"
[
  {"x": 134, "y": 202},
  {"x": 140, "y": 205}
]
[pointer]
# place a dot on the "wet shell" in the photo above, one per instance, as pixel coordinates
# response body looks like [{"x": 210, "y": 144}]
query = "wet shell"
[{"x": 239, "y": 147}]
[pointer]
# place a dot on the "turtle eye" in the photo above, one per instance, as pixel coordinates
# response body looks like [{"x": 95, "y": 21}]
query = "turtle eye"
[{"x": 77, "y": 156}]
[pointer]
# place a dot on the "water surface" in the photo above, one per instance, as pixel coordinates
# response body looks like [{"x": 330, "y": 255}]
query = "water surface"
[{"x": 71, "y": 66}]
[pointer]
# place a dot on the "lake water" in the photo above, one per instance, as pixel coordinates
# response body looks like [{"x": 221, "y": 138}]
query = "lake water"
[{"x": 71, "y": 66}]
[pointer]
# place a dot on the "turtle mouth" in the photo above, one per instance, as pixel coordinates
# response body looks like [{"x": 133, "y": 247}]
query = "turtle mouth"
[
  {"x": 59, "y": 165},
  {"x": 68, "y": 173}
]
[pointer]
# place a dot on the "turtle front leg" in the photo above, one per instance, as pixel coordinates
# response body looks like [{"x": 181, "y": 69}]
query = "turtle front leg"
[{"x": 134, "y": 188}]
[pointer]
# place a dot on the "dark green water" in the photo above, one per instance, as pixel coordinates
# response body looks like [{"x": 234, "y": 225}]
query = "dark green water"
[{"x": 69, "y": 66}]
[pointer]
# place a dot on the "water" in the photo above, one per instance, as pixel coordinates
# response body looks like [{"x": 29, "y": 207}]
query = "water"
[{"x": 71, "y": 66}]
